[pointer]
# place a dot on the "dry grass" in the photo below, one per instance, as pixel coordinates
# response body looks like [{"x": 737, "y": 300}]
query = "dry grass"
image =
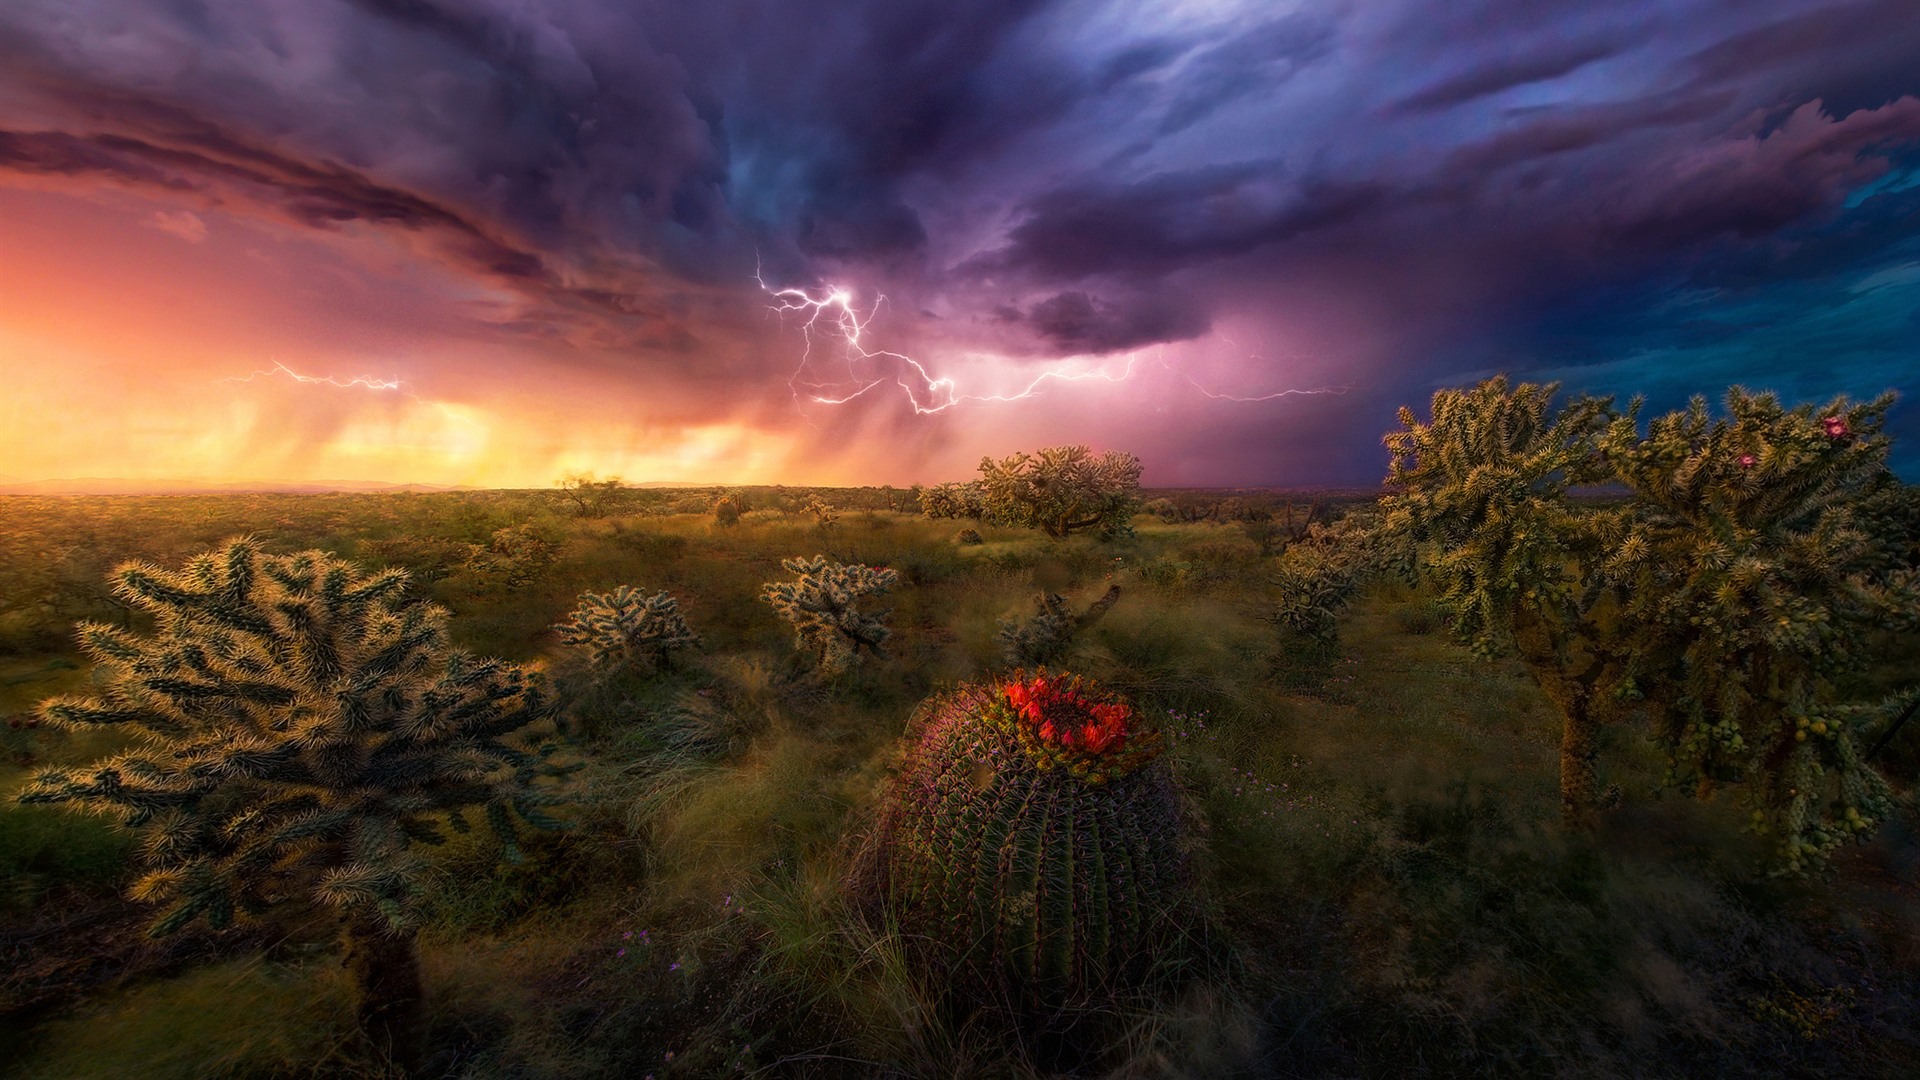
[{"x": 1383, "y": 850}]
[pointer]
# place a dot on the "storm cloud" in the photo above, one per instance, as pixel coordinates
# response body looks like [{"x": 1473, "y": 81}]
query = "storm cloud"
[{"x": 1382, "y": 197}]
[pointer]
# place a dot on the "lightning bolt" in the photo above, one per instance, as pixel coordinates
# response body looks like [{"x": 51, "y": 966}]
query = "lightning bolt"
[
  {"x": 1334, "y": 390},
  {"x": 360, "y": 382},
  {"x": 831, "y": 313}
]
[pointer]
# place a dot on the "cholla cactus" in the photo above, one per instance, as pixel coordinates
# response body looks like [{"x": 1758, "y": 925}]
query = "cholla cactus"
[
  {"x": 1032, "y": 847},
  {"x": 822, "y": 511},
  {"x": 1321, "y": 571},
  {"x": 726, "y": 511},
  {"x": 1062, "y": 490},
  {"x": 823, "y": 606},
  {"x": 968, "y": 537},
  {"x": 1314, "y": 586},
  {"x": 952, "y": 501},
  {"x": 628, "y": 626},
  {"x": 1718, "y": 603},
  {"x": 299, "y": 730},
  {"x": 1047, "y": 636}
]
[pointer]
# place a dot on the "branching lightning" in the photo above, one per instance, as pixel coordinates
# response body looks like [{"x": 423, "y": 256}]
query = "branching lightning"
[
  {"x": 832, "y": 313},
  {"x": 359, "y": 382}
]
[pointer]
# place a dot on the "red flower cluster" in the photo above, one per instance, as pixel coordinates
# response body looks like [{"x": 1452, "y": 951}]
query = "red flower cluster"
[
  {"x": 1062, "y": 713},
  {"x": 1836, "y": 427}
]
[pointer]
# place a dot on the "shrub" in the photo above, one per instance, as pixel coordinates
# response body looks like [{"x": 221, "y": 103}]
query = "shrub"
[
  {"x": 302, "y": 730},
  {"x": 824, "y": 607},
  {"x": 593, "y": 498},
  {"x": 952, "y": 501},
  {"x": 1032, "y": 848},
  {"x": 1062, "y": 490},
  {"x": 628, "y": 626},
  {"x": 426, "y": 559},
  {"x": 1048, "y": 635},
  {"x": 968, "y": 537},
  {"x": 1276, "y": 532},
  {"x": 726, "y": 511},
  {"x": 1183, "y": 507},
  {"x": 515, "y": 556}
]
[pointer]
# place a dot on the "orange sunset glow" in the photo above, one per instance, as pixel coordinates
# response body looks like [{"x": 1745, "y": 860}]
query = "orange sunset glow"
[{"x": 391, "y": 244}]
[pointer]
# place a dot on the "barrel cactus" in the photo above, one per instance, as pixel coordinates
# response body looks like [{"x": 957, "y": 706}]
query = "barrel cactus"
[{"x": 1032, "y": 849}]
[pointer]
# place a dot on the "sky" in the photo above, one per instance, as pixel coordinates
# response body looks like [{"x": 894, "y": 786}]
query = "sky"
[{"x": 498, "y": 242}]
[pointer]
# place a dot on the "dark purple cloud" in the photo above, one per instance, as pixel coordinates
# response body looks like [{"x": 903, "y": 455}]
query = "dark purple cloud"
[
  {"x": 1504, "y": 73},
  {"x": 1403, "y": 185}
]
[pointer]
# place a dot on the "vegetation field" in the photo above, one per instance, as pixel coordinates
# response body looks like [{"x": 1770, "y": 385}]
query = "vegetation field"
[{"x": 1381, "y": 842}]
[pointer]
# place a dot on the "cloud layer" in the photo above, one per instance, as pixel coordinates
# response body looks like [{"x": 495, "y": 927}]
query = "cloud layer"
[{"x": 539, "y": 208}]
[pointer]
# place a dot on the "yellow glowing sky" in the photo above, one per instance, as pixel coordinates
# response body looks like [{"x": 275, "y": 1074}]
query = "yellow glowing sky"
[
  {"x": 152, "y": 340},
  {"x": 140, "y": 340}
]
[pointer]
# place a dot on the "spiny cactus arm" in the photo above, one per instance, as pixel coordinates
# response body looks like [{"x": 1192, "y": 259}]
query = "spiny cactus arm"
[
  {"x": 868, "y": 632},
  {"x": 127, "y": 787},
  {"x": 382, "y": 887},
  {"x": 196, "y": 891},
  {"x": 79, "y": 713}
]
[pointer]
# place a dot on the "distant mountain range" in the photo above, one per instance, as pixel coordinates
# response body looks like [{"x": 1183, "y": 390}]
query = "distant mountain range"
[{"x": 106, "y": 485}]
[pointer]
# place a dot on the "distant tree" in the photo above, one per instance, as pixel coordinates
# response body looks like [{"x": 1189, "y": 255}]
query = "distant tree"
[
  {"x": 590, "y": 497},
  {"x": 1062, "y": 490},
  {"x": 1720, "y": 600},
  {"x": 299, "y": 731},
  {"x": 1275, "y": 533},
  {"x": 1183, "y": 507},
  {"x": 823, "y": 604}
]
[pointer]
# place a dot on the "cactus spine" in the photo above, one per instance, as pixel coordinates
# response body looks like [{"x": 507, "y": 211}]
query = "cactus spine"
[
  {"x": 823, "y": 604},
  {"x": 1032, "y": 847},
  {"x": 628, "y": 626}
]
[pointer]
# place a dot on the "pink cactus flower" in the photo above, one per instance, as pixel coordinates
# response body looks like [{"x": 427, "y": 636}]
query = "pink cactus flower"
[
  {"x": 1748, "y": 461},
  {"x": 1836, "y": 427}
]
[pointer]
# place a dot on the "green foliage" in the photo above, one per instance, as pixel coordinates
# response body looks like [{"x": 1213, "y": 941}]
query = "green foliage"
[
  {"x": 1062, "y": 490},
  {"x": 822, "y": 512},
  {"x": 1183, "y": 507},
  {"x": 592, "y": 498},
  {"x": 628, "y": 626},
  {"x": 516, "y": 555},
  {"x": 1388, "y": 928},
  {"x": 823, "y": 605},
  {"x": 1019, "y": 875},
  {"x": 300, "y": 729},
  {"x": 1046, "y": 637},
  {"x": 426, "y": 559},
  {"x": 954, "y": 500},
  {"x": 1720, "y": 600},
  {"x": 1274, "y": 533},
  {"x": 41, "y": 848},
  {"x": 1315, "y": 584}
]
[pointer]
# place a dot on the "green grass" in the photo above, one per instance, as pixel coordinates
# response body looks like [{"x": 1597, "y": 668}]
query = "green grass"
[
  {"x": 241, "y": 1018},
  {"x": 1383, "y": 845}
]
